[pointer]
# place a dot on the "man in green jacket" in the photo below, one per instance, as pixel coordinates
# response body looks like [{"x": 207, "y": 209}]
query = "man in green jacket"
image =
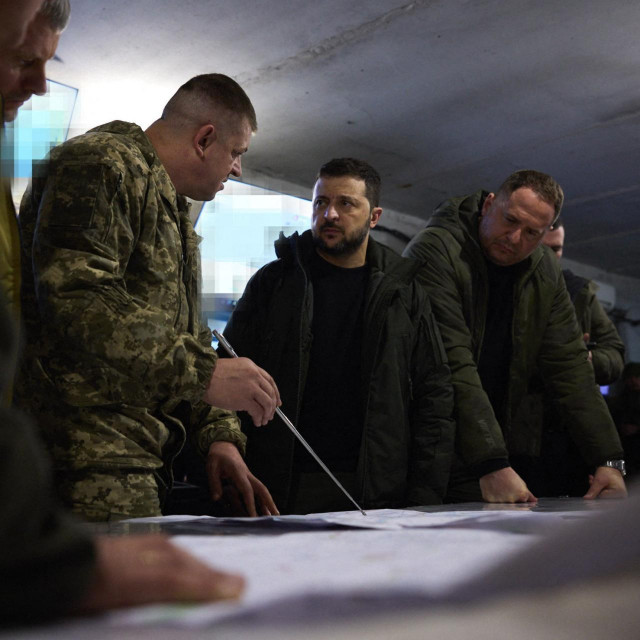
[
  {"x": 503, "y": 310},
  {"x": 349, "y": 337},
  {"x": 554, "y": 462},
  {"x": 119, "y": 367}
]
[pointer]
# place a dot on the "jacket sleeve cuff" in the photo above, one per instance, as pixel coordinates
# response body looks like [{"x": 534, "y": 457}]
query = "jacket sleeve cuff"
[
  {"x": 223, "y": 430},
  {"x": 489, "y": 466},
  {"x": 191, "y": 387}
]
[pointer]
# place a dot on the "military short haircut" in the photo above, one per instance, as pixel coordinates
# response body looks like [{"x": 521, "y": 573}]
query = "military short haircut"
[
  {"x": 215, "y": 89},
  {"x": 540, "y": 183},
  {"x": 354, "y": 168},
  {"x": 56, "y": 13}
]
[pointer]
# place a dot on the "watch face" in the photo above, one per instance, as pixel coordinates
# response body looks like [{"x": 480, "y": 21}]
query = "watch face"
[{"x": 617, "y": 464}]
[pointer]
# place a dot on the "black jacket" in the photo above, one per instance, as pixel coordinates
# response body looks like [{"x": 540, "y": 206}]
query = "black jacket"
[{"x": 407, "y": 396}]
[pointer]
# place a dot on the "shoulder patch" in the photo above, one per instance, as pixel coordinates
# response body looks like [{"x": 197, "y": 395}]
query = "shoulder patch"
[{"x": 73, "y": 202}]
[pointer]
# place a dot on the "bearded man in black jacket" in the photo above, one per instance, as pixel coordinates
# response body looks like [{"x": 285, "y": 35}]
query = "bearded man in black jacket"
[{"x": 348, "y": 335}]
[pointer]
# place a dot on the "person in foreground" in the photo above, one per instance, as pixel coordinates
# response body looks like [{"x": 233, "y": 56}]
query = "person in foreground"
[
  {"x": 119, "y": 368},
  {"x": 503, "y": 310},
  {"x": 49, "y": 565},
  {"x": 349, "y": 337}
]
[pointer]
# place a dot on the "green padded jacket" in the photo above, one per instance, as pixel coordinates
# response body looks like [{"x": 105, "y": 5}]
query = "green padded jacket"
[{"x": 545, "y": 336}]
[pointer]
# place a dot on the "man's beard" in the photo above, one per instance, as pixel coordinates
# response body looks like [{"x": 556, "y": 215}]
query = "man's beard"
[{"x": 348, "y": 245}]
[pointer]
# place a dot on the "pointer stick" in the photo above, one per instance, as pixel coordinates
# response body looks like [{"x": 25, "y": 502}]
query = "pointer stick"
[{"x": 229, "y": 349}]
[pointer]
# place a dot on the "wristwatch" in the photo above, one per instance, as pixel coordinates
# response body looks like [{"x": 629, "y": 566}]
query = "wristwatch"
[{"x": 616, "y": 464}]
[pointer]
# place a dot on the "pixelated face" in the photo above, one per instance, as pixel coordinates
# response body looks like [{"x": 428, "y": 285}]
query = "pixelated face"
[
  {"x": 25, "y": 66},
  {"x": 224, "y": 158},
  {"x": 555, "y": 241},
  {"x": 342, "y": 215},
  {"x": 512, "y": 228}
]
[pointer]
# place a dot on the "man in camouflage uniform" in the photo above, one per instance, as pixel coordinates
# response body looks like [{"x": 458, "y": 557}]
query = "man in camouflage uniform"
[
  {"x": 50, "y": 566},
  {"x": 119, "y": 368}
]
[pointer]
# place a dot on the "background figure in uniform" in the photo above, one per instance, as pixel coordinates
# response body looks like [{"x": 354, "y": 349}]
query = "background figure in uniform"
[
  {"x": 606, "y": 349},
  {"x": 352, "y": 343},
  {"x": 119, "y": 366},
  {"x": 560, "y": 470}
]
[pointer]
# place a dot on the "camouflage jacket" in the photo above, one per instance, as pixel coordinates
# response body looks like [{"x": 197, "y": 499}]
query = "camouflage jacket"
[{"x": 117, "y": 359}]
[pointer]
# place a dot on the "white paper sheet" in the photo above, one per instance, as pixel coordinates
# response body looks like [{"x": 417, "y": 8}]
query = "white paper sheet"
[{"x": 298, "y": 568}]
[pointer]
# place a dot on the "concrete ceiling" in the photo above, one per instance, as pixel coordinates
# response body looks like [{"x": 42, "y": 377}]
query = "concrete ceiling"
[{"x": 443, "y": 97}]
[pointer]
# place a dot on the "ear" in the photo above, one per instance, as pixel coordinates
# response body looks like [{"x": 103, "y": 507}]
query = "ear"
[
  {"x": 488, "y": 201},
  {"x": 203, "y": 138},
  {"x": 376, "y": 212}
]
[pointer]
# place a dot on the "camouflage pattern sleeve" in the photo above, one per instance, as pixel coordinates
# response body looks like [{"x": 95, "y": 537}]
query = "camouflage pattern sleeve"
[
  {"x": 215, "y": 425},
  {"x": 114, "y": 270},
  {"x": 210, "y": 424}
]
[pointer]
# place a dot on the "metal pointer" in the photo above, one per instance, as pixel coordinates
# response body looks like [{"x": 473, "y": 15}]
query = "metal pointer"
[{"x": 229, "y": 349}]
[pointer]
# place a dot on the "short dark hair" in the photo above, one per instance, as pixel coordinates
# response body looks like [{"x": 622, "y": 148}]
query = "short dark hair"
[
  {"x": 542, "y": 184},
  {"x": 557, "y": 224},
  {"x": 355, "y": 168},
  {"x": 217, "y": 89}
]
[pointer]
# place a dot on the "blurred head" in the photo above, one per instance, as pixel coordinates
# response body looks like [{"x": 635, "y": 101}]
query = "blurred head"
[
  {"x": 15, "y": 16},
  {"x": 515, "y": 219},
  {"x": 24, "y": 65},
  {"x": 631, "y": 376},
  {"x": 204, "y": 130},
  {"x": 554, "y": 238},
  {"x": 345, "y": 208}
]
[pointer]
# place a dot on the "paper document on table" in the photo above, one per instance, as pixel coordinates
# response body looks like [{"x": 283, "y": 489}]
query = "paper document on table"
[
  {"x": 383, "y": 519},
  {"x": 290, "y": 575},
  {"x": 388, "y": 519}
]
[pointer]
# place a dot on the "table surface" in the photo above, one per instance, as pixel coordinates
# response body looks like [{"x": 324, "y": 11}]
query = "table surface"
[
  {"x": 301, "y": 579},
  {"x": 171, "y": 527}
]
